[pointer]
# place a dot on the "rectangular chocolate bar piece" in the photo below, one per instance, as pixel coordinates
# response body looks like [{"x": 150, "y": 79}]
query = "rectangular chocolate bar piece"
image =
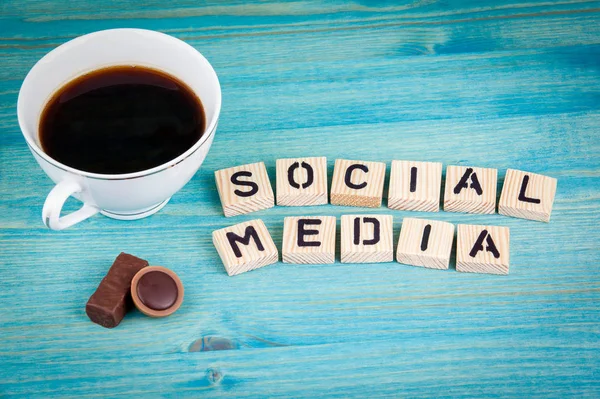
[{"x": 108, "y": 305}]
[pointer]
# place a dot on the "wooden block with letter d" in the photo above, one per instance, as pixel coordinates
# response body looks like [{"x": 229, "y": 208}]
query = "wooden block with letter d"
[
  {"x": 426, "y": 243},
  {"x": 482, "y": 249},
  {"x": 244, "y": 189},
  {"x": 302, "y": 181},
  {"x": 367, "y": 239},
  {"x": 527, "y": 195},
  {"x": 245, "y": 246},
  {"x": 471, "y": 190},
  {"x": 357, "y": 183},
  {"x": 415, "y": 186},
  {"x": 309, "y": 239}
]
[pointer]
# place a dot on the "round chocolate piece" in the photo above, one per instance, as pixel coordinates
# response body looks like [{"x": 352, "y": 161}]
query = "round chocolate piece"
[{"x": 156, "y": 291}]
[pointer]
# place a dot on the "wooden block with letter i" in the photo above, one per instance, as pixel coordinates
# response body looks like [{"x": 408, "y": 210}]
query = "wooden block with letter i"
[
  {"x": 245, "y": 246},
  {"x": 244, "y": 189},
  {"x": 426, "y": 243},
  {"x": 309, "y": 240},
  {"x": 415, "y": 186},
  {"x": 357, "y": 183},
  {"x": 367, "y": 239},
  {"x": 471, "y": 190},
  {"x": 527, "y": 195},
  {"x": 482, "y": 249},
  {"x": 302, "y": 181}
]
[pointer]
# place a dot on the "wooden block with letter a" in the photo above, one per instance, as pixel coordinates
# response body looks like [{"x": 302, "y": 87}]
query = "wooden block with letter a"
[
  {"x": 244, "y": 189},
  {"x": 527, "y": 195},
  {"x": 415, "y": 186},
  {"x": 357, "y": 183},
  {"x": 426, "y": 243},
  {"x": 245, "y": 246},
  {"x": 302, "y": 181},
  {"x": 482, "y": 249},
  {"x": 367, "y": 239},
  {"x": 309, "y": 240},
  {"x": 471, "y": 190}
]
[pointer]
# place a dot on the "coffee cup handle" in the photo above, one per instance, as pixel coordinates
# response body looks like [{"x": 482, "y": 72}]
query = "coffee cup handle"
[{"x": 55, "y": 201}]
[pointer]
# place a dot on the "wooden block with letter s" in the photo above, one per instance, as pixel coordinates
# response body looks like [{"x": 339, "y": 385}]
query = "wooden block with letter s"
[
  {"x": 309, "y": 240},
  {"x": 357, "y": 183},
  {"x": 527, "y": 195},
  {"x": 301, "y": 181}
]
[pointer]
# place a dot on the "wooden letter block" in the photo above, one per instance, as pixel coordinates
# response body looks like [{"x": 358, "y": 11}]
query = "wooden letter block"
[
  {"x": 415, "y": 186},
  {"x": 367, "y": 239},
  {"x": 357, "y": 183},
  {"x": 244, "y": 189},
  {"x": 471, "y": 190},
  {"x": 527, "y": 195},
  {"x": 245, "y": 246},
  {"x": 309, "y": 239},
  {"x": 426, "y": 243},
  {"x": 302, "y": 181},
  {"x": 482, "y": 249}
]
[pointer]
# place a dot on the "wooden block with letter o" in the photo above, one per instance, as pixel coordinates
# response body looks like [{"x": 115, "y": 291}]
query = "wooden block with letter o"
[
  {"x": 367, "y": 239},
  {"x": 244, "y": 189},
  {"x": 357, "y": 183},
  {"x": 482, "y": 249},
  {"x": 302, "y": 181},
  {"x": 426, "y": 243},
  {"x": 309, "y": 239},
  {"x": 471, "y": 190},
  {"x": 245, "y": 246},
  {"x": 527, "y": 195},
  {"x": 415, "y": 186}
]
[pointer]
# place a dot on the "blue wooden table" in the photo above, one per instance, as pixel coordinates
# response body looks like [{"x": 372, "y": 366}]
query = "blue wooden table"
[{"x": 481, "y": 83}]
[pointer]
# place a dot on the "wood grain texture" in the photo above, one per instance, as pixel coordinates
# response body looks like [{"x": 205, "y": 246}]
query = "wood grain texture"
[
  {"x": 482, "y": 249},
  {"x": 497, "y": 84},
  {"x": 322, "y": 233},
  {"x": 366, "y": 239},
  {"x": 310, "y": 191},
  {"x": 432, "y": 251},
  {"x": 361, "y": 186},
  {"x": 533, "y": 203},
  {"x": 471, "y": 190},
  {"x": 421, "y": 195}
]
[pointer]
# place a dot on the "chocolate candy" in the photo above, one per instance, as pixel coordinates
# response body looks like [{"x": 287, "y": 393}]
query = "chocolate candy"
[
  {"x": 156, "y": 291},
  {"x": 108, "y": 305}
]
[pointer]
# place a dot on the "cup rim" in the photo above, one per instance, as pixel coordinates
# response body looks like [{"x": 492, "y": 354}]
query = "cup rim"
[{"x": 208, "y": 132}]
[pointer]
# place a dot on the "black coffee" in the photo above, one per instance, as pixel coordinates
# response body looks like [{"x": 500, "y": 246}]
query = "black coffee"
[{"x": 120, "y": 120}]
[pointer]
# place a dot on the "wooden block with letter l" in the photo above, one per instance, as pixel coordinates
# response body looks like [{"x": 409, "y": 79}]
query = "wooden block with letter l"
[
  {"x": 470, "y": 190},
  {"x": 301, "y": 181},
  {"x": 357, "y": 183},
  {"x": 415, "y": 186},
  {"x": 245, "y": 246},
  {"x": 426, "y": 243},
  {"x": 367, "y": 239},
  {"x": 527, "y": 195},
  {"x": 244, "y": 189},
  {"x": 482, "y": 249},
  {"x": 309, "y": 240}
]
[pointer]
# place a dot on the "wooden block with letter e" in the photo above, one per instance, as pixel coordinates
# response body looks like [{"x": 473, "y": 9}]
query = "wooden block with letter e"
[
  {"x": 309, "y": 239},
  {"x": 471, "y": 190},
  {"x": 482, "y": 249},
  {"x": 367, "y": 239},
  {"x": 245, "y": 246},
  {"x": 244, "y": 189},
  {"x": 357, "y": 183},
  {"x": 302, "y": 181},
  {"x": 426, "y": 243},
  {"x": 527, "y": 195},
  {"x": 415, "y": 186}
]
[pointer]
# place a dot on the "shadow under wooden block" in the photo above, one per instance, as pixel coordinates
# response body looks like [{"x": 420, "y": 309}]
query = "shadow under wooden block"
[
  {"x": 245, "y": 246},
  {"x": 244, "y": 189},
  {"x": 470, "y": 190},
  {"x": 309, "y": 240},
  {"x": 367, "y": 239},
  {"x": 301, "y": 181},
  {"x": 426, "y": 243},
  {"x": 482, "y": 249},
  {"x": 415, "y": 186},
  {"x": 527, "y": 195},
  {"x": 357, "y": 183}
]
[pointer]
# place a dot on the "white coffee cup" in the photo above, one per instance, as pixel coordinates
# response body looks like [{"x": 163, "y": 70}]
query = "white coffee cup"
[{"x": 126, "y": 196}]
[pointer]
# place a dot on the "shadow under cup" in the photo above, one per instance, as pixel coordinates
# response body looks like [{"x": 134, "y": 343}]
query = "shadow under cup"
[{"x": 122, "y": 196}]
